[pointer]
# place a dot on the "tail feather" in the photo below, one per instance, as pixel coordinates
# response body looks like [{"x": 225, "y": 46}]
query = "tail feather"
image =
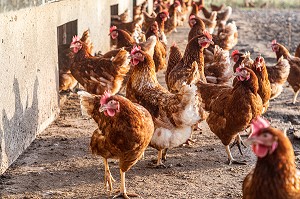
[{"x": 86, "y": 103}]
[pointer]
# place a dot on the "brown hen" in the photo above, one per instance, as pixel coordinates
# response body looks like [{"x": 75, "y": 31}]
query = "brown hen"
[
  {"x": 125, "y": 130},
  {"x": 97, "y": 74},
  {"x": 231, "y": 109},
  {"x": 173, "y": 114},
  {"x": 275, "y": 174},
  {"x": 185, "y": 71},
  {"x": 294, "y": 75},
  {"x": 278, "y": 75}
]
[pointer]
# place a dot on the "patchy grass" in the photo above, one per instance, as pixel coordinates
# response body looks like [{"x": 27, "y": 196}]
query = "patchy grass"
[{"x": 290, "y": 4}]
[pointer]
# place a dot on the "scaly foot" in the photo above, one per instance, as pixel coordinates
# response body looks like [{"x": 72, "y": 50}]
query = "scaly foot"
[
  {"x": 108, "y": 180},
  {"x": 233, "y": 161},
  {"x": 238, "y": 141}
]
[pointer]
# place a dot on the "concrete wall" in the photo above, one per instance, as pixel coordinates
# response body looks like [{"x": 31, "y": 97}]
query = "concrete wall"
[{"x": 29, "y": 67}]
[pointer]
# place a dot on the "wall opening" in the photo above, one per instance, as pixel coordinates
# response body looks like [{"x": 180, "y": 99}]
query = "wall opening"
[{"x": 65, "y": 34}]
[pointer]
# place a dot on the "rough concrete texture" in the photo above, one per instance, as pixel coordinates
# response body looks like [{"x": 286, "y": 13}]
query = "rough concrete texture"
[{"x": 29, "y": 67}]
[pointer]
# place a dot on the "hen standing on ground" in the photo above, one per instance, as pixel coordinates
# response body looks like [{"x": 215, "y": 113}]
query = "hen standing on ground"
[
  {"x": 125, "y": 130},
  {"x": 294, "y": 76},
  {"x": 173, "y": 114},
  {"x": 275, "y": 174},
  {"x": 231, "y": 109}
]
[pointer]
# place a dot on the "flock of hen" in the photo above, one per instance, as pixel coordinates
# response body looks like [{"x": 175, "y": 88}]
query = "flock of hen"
[{"x": 203, "y": 84}]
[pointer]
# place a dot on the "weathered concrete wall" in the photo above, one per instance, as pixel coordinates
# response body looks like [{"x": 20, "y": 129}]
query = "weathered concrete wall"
[{"x": 29, "y": 67}]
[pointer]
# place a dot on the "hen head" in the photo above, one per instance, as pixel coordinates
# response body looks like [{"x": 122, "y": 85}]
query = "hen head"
[
  {"x": 205, "y": 40},
  {"x": 242, "y": 73},
  {"x": 274, "y": 46},
  {"x": 164, "y": 15},
  {"x": 113, "y": 32},
  {"x": 192, "y": 20},
  {"x": 235, "y": 55},
  {"x": 259, "y": 63},
  {"x": 76, "y": 44},
  {"x": 109, "y": 106},
  {"x": 154, "y": 27},
  {"x": 177, "y": 6},
  {"x": 137, "y": 55},
  {"x": 264, "y": 141}
]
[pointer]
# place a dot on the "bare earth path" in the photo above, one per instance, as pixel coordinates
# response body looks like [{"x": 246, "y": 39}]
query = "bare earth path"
[{"x": 58, "y": 164}]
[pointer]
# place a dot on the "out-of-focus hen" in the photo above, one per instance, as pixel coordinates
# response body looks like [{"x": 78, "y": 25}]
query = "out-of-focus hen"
[
  {"x": 160, "y": 49},
  {"x": 174, "y": 58},
  {"x": 275, "y": 174},
  {"x": 173, "y": 114},
  {"x": 294, "y": 75},
  {"x": 171, "y": 23},
  {"x": 278, "y": 75},
  {"x": 219, "y": 71},
  {"x": 125, "y": 130},
  {"x": 227, "y": 38},
  {"x": 197, "y": 27}
]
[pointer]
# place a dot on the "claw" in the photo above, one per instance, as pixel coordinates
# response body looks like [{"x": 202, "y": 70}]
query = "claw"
[
  {"x": 233, "y": 161},
  {"x": 238, "y": 141}
]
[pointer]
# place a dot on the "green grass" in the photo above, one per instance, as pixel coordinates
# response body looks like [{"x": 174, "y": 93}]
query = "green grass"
[{"x": 270, "y": 3}]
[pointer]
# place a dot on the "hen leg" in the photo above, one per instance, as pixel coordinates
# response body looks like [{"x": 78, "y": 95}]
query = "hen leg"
[
  {"x": 238, "y": 141},
  {"x": 108, "y": 179},
  {"x": 123, "y": 193},
  {"x": 159, "y": 163},
  {"x": 230, "y": 158},
  {"x": 164, "y": 154},
  {"x": 295, "y": 97}
]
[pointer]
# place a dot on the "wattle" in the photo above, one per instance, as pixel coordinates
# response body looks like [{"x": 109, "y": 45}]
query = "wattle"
[
  {"x": 135, "y": 61},
  {"x": 110, "y": 112},
  {"x": 260, "y": 150}
]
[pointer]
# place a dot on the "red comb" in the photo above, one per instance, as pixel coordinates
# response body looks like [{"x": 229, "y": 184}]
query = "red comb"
[
  {"x": 174, "y": 44},
  {"x": 75, "y": 38},
  {"x": 192, "y": 17},
  {"x": 112, "y": 28},
  {"x": 234, "y": 52},
  {"x": 104, "y": 97},
  {"x": 258, "y": 124},
  {"x": 274, "y": 42},
  {"x": 177, "y": 2},
  {"x": 135, "y": 49},
  {"x": 200, "y": 7},
  {"x": 166, "y": 13},
  {"x": 206, "y": 33}
]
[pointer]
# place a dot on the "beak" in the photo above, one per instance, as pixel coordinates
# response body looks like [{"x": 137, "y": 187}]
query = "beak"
[
  {"x": 102, "y": 108},
  {"x": 72, "y": 46},
  {"x": 129, "y": 57},
  {"x": 179, "y": 9},
  {"x": 249, "y": 141},
  {"x": 211, "y": 42},
  {"x": 237, "y": 74}
]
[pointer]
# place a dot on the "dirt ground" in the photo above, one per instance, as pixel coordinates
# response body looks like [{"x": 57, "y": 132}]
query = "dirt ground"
[{"x": 58, "y": 164}]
